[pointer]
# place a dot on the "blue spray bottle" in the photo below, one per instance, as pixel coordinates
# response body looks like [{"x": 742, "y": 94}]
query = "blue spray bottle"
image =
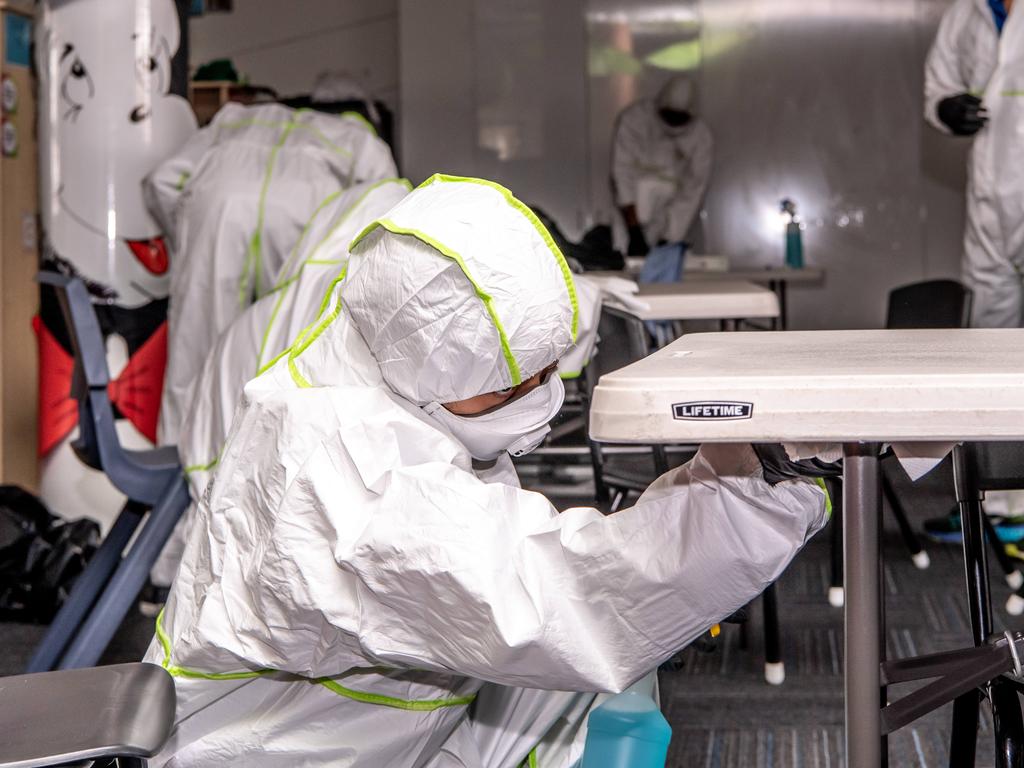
[
  {"x": 794, "y": 237},
  {"x": 627, "y": 731}
]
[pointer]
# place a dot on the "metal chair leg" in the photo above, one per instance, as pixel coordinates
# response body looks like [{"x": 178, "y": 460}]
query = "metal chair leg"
[
  {"x": 88, "y": 587},
  {"x": 774, "y": 667},
  {"x": 1007, "y": 725},
  {"x": 963, "y": 739},
  {"x": 617, "y": 500},
  {"x": 124, "y": 587},
  {"x": 910, "y": 537},
  {"x": 836, "y": 595}
]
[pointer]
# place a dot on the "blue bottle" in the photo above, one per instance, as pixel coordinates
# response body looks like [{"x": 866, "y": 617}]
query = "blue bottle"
[
  {"x": 627, "y": 731},
  {"x": 794, "y": 238}
]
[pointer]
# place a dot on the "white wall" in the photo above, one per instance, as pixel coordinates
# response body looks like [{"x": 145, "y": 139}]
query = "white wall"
[
  {"x": 285, "y": 44},
  {"x": 478, "y": 74},
  {"x": 824, "y": 106}
]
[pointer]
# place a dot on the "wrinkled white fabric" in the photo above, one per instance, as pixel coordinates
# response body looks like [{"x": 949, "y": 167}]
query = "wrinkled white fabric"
[
  {"x": 969, "y": 56},
  {"x": 345, "y": 536},
  {"x": 444, "y": 344},
  {"x": 263, "y": 331},
  {"x": 252, "y": 179},
  {"x": 665, "y": 176},
  {"x": 266, "y": 328},
  {"x": 333, "y": 86}
]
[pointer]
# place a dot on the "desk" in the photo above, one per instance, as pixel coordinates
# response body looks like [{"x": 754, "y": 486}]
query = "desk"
[
  {"x": 721, "y": 300},
  {"x": 776, "y": 278},
  {"x": 861, "y": 388}
]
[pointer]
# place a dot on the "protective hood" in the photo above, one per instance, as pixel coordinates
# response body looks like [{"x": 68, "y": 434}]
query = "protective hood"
[
  {"x": 676, "y": 94},
  {"x": 459, "y": 290}
]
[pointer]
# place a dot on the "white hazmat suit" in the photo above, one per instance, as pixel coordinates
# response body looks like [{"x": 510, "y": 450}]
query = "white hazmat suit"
[
  {"x": 970, "y": 56},
  {"x": 236, "y": 199},
  {"x": 350, "y": 583},
  {"x": 660, "y": 170},
  {"x": 263, "y": 331}
]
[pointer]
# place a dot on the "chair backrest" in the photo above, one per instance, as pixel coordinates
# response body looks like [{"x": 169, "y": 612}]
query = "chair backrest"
[
  {"x": 140, "y": 475},
  {"x": 90, "y": 367},
  {"x": 622, "y": 339},
  {"x": 1000, "y": 466},
  {"x": 929, "y": 304}
]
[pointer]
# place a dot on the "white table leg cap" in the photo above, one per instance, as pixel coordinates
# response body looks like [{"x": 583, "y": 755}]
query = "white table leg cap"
[
  {"x": 775, "y": 672},
  {"x": 1015, "y": 580},
  {"x": 921, "y": 560},
  {"x": 836, "y": 597},
  {"x": 1015, "y": 605}
]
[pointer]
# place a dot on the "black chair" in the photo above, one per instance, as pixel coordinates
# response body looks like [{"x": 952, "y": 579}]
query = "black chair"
[
  {"x": 152, "y": 480},
  {"x": 116, "y": 716},
  {"x": 623, "y": 470},
  {"x": 927, "y": 304},
  {"x": 947, "y": 304}
]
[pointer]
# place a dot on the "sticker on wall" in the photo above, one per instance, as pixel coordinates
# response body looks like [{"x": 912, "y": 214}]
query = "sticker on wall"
[
  {"x": 9, "y": 95},
  {"x": 9, "y": 138},
  {"x": 17, "y": 39}
]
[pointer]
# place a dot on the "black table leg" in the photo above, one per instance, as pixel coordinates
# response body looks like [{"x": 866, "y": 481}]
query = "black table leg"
[{"x": 964, "y": 735}]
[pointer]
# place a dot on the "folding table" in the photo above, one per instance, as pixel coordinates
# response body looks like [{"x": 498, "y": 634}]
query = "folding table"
[{"x": 861, "y": 389}]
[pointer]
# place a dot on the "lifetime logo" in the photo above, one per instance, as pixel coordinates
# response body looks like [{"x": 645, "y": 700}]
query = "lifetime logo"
[{"x": 712, "y": 411}]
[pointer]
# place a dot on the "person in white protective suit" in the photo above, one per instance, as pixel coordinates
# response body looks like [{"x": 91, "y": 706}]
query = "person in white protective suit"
[
  {"x": 973, "y": 79},
  {"x": 236, "y": 198},
  {"x": 363, "y": 560},
  {"x": 263, "y": 331},
  {"x": 661, "y": 165},
  {"x": 973, "y": 88}
]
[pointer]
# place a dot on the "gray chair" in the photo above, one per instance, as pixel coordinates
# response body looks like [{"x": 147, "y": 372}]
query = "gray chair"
[
  {"x": 117, "y": 715},
  {"x": 152, "y": 480}
]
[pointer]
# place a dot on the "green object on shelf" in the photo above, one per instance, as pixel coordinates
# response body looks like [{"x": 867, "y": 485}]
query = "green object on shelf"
[{"x": 218, "y": 69}]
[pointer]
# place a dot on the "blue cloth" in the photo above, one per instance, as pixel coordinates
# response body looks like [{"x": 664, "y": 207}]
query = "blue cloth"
[
  {"x": 998, "y": 13},
  {"x": 664, "y": 264}
]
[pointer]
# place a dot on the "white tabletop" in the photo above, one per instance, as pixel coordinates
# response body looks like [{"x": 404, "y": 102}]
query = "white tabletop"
[
  {"x": 781, "y": 274},
  {"x": 755, "y": 275},
  {"x": 705, "y": 301},
  {"x": 806, "y": 386}
]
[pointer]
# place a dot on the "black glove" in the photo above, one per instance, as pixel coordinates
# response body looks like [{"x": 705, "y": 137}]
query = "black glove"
[
  {"x": 778, "y": 466},
  {"x": 964, "y": 114},
  {"x": 637, "y": 242}
]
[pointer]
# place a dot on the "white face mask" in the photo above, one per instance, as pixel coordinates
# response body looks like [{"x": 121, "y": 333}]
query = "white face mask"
[{"x": 518, "y": 427}]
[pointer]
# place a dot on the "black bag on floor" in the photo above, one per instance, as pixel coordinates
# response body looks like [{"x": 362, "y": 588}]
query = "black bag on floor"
[{"x": 40, "y": 556}]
